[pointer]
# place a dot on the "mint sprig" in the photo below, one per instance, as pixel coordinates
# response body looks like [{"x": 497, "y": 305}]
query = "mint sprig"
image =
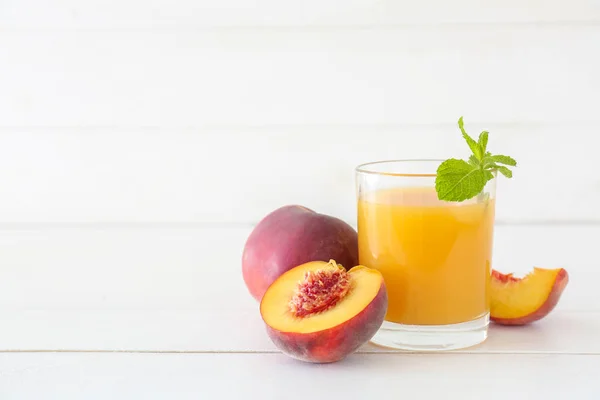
[{"x": 459, "y": 180}]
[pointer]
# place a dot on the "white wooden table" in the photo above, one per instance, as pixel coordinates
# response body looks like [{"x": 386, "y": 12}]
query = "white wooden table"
[{"x": 163, "y": 313}]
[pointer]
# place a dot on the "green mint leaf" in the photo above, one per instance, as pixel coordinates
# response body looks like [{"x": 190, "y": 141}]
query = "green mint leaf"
[
  {"x": 474, "y": 161},
  {"x": 500, "y": 159},
  {"x": 482, "y": 142},
  {"x": 473, "y": 145},
  {"x": 504, "y": 171},
  {"x": 457, "y": 180}
]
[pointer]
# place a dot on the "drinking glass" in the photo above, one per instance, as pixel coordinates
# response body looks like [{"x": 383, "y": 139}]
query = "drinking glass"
[{"x": 435, "y": 256}]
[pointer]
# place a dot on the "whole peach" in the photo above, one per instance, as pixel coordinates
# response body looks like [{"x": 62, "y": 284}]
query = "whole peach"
[{"x": 290, "y": 236}]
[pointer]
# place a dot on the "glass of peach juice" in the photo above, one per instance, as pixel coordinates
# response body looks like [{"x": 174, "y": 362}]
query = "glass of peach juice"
[{"x": 435, "y": 256}]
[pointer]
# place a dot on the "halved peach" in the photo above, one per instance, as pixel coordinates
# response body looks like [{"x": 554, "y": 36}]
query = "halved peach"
[
  {"x": 319, "y": 312},
  {"x": 520, "y": 301}
]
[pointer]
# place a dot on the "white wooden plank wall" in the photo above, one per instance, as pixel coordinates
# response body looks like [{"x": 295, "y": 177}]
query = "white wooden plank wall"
[
  {"x": 135, "y": 115},
  {"x": 132, "y": 14}
]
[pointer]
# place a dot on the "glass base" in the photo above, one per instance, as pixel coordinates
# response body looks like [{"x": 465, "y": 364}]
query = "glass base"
[{"x": 432, "y": 337}]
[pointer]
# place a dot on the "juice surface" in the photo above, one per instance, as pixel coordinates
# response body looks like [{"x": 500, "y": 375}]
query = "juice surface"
[{"x": 435, "y": 256}]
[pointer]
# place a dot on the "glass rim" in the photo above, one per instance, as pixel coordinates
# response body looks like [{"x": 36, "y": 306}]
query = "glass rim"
[{"x": 364, "y": 167}]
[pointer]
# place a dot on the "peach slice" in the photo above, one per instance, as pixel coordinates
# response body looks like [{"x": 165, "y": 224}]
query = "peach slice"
[
  {"x": 520, "y": 301},
  {"x": 319, "y": 312}
]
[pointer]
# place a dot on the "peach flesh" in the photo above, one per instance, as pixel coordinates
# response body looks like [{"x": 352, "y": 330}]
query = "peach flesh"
[
  {"x": 330, "y": 335},
  {"x": 290, "y": 236}
]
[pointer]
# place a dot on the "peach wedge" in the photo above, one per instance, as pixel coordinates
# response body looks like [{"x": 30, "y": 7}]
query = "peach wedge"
[
  {"x": 319, "y": 312},
  {"x": 521, "y": 301}
]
